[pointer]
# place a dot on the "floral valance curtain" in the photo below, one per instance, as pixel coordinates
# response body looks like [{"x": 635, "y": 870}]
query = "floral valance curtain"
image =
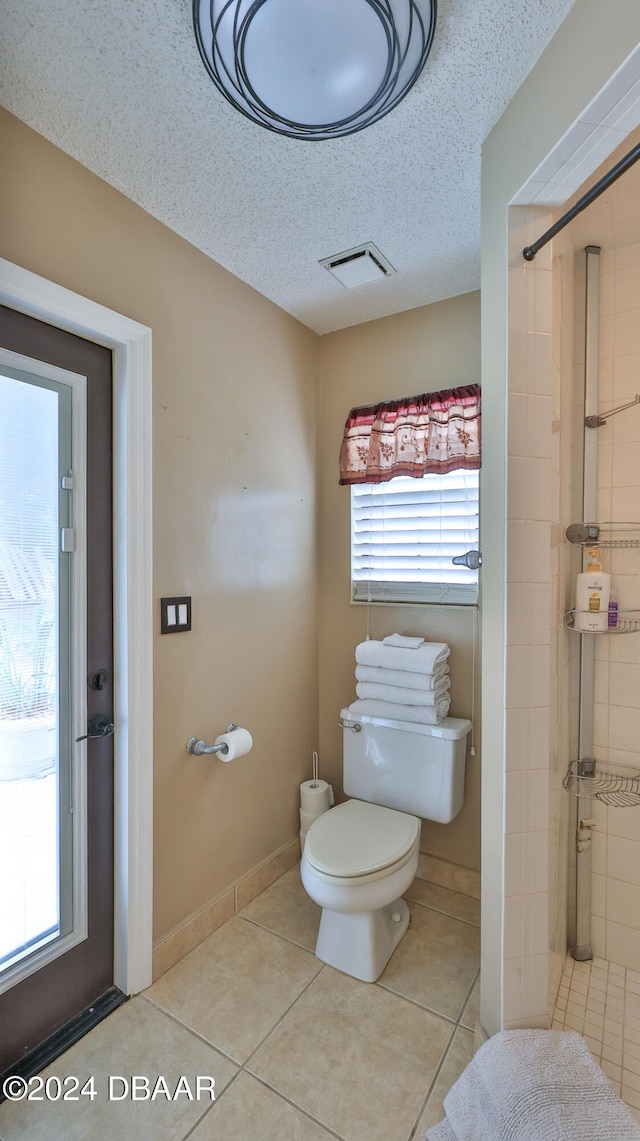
[{"x": 435, "y": 432}]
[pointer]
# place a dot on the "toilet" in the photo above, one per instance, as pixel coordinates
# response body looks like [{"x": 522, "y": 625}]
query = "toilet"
[{"x": 361, "y": 856}]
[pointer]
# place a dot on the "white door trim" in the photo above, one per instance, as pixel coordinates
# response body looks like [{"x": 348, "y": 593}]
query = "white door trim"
[{"x": 130, "y": 343}]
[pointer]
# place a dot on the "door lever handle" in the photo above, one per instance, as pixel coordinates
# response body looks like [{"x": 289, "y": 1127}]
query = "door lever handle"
[{"x": 98, "y": 726}]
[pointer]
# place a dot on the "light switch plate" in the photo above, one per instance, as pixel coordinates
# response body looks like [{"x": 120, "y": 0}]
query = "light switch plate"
[{"x": 175, "y": 615}]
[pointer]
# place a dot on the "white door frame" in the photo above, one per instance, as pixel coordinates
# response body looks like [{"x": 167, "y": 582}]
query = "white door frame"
[{"x": 130, "y": 343}]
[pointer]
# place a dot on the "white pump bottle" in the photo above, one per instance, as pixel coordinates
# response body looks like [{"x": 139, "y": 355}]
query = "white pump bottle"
[{"x": 592, "y": 596}]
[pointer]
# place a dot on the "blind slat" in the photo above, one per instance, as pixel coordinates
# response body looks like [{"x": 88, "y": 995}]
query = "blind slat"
[{"x": 405, "y": 534}]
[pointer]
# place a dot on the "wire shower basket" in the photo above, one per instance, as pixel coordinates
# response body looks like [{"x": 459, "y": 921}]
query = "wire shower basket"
[{"x": 616, "y": 785}]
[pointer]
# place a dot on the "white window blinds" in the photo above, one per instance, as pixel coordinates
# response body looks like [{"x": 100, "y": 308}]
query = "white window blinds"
[{"x": 404, "y": 534}]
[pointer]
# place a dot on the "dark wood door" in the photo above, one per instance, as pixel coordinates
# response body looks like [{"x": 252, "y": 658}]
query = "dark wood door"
[{"x": 39, "y": 1005}]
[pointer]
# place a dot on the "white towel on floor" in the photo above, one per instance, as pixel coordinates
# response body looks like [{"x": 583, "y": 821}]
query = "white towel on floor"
[
  {"x": 391, "y": 711},
  {"x": 423, "y": 659},
  {"x": 403, "y": 641},
  {"x": 402, "y": 695},
  {"x": 408, "y": 679},
  {"x": 535, "y": 1085},
  {"x": 440, "y": 1132}
]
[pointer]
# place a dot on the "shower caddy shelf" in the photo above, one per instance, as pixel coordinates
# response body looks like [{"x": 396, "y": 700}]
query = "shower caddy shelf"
[
  {"x": 609, "y": 535},
  {"x": 603, "y": 535},
  {"x": 616, "y": 789},
  {"x": 615, "y": 785},
  {"x": 628, "y": 623}
]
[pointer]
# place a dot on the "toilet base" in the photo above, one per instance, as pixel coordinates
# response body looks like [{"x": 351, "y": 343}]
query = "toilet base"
[{"x": 361, "y": 944}]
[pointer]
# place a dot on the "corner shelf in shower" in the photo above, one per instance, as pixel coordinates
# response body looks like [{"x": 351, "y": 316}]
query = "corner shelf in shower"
[
  {"x": 616, "y": 785},
  {"x": 628, "y": 623},
  {"x": 603, "y": 535}
]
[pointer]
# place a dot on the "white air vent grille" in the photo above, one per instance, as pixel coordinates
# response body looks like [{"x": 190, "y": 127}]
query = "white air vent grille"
[{"x": 359, "y": 266}]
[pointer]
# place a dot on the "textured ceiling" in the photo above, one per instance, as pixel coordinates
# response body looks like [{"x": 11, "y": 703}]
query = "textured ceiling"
[{"x": 119, "y": 85}]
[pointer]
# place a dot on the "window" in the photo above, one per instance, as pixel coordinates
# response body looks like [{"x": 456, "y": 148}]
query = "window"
[{"x": 404, "y": 534}]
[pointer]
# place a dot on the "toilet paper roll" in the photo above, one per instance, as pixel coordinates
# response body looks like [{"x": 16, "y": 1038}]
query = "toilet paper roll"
[
  {"x": 315, "y": 796},
  {"x": 238, "y": 741},
  {"x": 307, "y": 818}
]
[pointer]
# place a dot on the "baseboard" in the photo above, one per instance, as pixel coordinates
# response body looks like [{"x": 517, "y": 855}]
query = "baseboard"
[
  {"x": 177, "y": 943},
  {"x": 445, "y": 874}
]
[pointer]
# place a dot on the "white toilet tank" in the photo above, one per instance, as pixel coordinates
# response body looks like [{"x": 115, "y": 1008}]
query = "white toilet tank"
[{"x": 399, "y": 764}]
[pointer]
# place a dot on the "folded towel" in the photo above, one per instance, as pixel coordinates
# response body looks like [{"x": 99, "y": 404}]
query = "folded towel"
[
  {"x": 441, "y": 1132},
  {"x": 391, "y": 711},
  {"x": 402, "y": 695},
  {"x": 423, "y": 659},
  {"x": 535, "y": 1084},
  {"x": 403, "y": 641},
  {"x": 408, "y": 679}
]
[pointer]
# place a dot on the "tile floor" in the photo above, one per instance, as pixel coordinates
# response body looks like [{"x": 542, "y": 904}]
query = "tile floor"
[
  {"x": 602, "y": 1002},
  {"x": 298, "y": 1051}
]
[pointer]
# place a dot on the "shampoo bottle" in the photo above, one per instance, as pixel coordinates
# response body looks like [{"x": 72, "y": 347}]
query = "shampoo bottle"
[{"x": 592, "y": 597}]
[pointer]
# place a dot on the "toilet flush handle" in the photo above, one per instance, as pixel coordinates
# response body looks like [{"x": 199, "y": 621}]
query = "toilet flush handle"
[{"x": 355, "y": 728}]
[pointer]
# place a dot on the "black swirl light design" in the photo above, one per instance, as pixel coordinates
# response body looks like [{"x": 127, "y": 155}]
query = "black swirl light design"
[{"x": 314, "y": 69}]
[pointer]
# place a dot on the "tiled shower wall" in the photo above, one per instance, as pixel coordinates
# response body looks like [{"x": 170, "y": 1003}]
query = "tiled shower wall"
[
  {"x": 613, "y": 224},
  {"x": 616, "y": 845},
  {"x": 546, "y": 366},
  {"x": 535, "y": 871}
]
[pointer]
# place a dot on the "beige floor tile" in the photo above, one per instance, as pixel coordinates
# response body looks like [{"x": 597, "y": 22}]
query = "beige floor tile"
[
  {"x": 443, "y": 899},
  {"x": 235, "y": 986},
  {"x": 286, "y": 909},
  {"x": 471, "y": 1013},
  {"x": 135, "y": 1039},
  {"x": 435, "y": 963},
  {"x": 458, "y": 1057},
  {"x": 356, "y": 1057},
  {"x": 250, "y": 1112}
]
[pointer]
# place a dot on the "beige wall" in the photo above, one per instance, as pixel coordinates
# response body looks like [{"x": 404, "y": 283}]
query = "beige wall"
[
  {"x": 582, "y": 56},
  {"x": 234, "y": 407},
  {"x": 424, "y": 349}
]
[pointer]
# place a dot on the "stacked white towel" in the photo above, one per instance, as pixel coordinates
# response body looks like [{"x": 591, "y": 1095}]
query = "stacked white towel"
[
  {"x": 391, "y": 711},
  {"x": 534, "y": 1084},
  {"x": 402, "y": 679},
  {"x": 401, "y": 694},
  {"x": 428, "y": 657}
]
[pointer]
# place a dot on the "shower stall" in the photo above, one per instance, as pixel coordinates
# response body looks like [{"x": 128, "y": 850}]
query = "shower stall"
[{"x": 572, "y": 836}]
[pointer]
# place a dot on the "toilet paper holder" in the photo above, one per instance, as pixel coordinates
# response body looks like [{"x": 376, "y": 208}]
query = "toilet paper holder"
[{"x": 198, "y": 748}]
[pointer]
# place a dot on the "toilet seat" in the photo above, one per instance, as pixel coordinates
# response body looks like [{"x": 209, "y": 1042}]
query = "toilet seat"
[{"x": 358, "y": 842}]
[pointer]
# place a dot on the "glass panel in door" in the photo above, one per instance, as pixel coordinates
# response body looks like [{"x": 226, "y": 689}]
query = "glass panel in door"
[{"x": 36, "y": 844}]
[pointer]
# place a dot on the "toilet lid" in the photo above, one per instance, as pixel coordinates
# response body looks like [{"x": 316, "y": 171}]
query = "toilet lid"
[{"x": 357, "y": 838}]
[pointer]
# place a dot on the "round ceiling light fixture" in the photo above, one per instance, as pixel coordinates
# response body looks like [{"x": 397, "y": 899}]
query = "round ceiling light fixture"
[{"x": 314, "y": 69}]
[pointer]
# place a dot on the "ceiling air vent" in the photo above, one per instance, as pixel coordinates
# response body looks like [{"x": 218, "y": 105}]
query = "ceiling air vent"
[{"x": 359, "y": 266}]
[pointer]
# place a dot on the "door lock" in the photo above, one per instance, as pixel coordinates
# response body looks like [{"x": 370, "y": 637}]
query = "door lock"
[
  {"x": 98, "y": 726},
  {"x": 97, "y": 680}
]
